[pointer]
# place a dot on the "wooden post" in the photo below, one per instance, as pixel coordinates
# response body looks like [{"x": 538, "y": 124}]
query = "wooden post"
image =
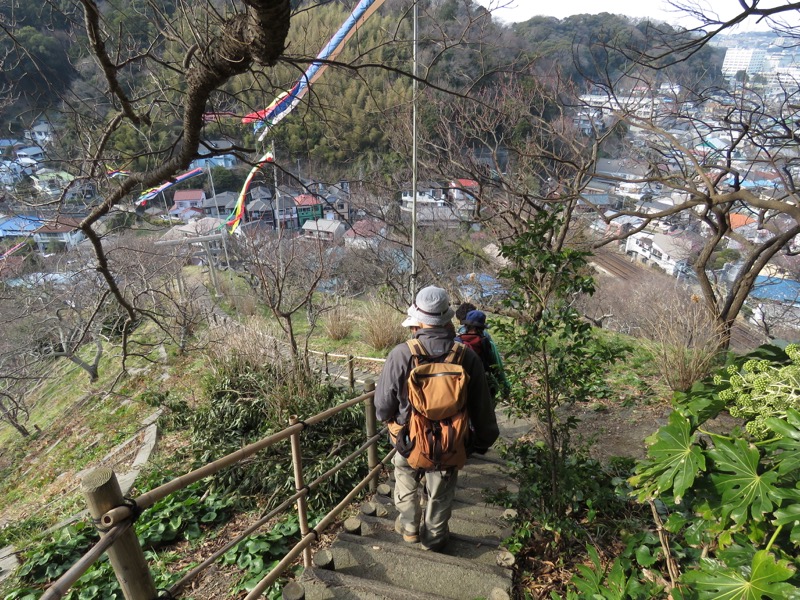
[
  {"x": 327, "y": 372},
  {"x": 211, "y": 269},
  {"x": 351, "y": 371},
  {"x": 299, "y": 484},
  {"x": 102, "y": 492},
  {"x": 372, "y": 429}
]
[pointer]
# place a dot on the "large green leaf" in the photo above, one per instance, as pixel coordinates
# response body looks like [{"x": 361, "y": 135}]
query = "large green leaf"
[
  {"x": 790, "y": 515},
  {"x": 675, "y": 459},
  {"x": 763, "y": 579},
  {"x": 744, "y": 490},
  {"x": 788, "y": 457}
]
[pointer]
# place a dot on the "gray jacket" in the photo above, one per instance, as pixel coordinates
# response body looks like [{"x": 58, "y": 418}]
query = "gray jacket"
[{"x": 391, "y": 395}]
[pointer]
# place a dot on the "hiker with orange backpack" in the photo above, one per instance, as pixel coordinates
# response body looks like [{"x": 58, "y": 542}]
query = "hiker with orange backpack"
[{"x": 434, "y": 395}]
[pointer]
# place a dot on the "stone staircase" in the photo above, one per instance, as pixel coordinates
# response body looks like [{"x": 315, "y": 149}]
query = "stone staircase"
[{"x": 369, "y": 561}]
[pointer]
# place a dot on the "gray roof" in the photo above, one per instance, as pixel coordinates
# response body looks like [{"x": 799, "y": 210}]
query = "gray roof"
[{"x": 328, "y": 225}]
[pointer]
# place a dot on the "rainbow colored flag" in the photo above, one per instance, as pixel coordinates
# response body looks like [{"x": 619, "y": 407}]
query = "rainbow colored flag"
[{"x": 285, "y": 102}]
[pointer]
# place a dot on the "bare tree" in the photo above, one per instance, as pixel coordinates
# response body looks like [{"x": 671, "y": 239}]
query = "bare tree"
[{"x": 286, "y": 273}]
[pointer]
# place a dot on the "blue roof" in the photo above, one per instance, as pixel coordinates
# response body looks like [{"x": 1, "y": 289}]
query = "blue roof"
[
  {"x": 776, "y": 289},
  {"x": 19, "y": 225}
]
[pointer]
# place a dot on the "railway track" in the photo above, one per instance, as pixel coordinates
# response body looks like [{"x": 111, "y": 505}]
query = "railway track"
[
  {"x": 744, "y": 337},
  {"x": 615, "y": 264}
]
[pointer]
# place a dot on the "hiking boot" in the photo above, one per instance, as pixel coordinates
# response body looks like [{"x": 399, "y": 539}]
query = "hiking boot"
[
  {"x": 412, "y": 537},
  {"x": 436, "y": 545}
]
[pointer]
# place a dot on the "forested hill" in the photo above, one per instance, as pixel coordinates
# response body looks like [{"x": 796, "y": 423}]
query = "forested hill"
[{"x": 349, "y": 114}]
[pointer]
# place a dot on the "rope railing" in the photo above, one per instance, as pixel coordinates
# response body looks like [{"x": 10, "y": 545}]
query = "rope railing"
[{"x": 115, "y": 515}]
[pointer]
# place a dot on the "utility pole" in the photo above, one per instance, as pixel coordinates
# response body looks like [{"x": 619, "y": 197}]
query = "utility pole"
[{"x": 414, "y": 160}]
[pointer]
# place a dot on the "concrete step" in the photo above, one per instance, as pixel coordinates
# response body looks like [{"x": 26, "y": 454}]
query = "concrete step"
[
  {"x": 468, "y": 518},
  {"x": 484, "y": 550},
  {"x": 321, "y": 584},
  {"x": 408, "y": 566}
]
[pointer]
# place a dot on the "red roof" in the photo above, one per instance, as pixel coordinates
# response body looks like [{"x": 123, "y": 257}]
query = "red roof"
[
  {"x": 366, "y": 228},
  {"x": 306, "y": 200},
  {"x": 188, "y": 195},
  {"x": 738, "y": 220},
  {"x": 464, "y": 183}
]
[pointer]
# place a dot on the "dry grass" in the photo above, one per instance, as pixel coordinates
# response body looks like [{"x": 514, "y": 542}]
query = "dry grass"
[
  {"x": 381, "y": 327},
  {"x": 338, "y": 323}
]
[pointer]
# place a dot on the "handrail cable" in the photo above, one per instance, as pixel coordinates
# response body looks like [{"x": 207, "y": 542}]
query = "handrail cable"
[
  {"x": 267, "y": 517},
  {"x": 146, "y": 500},
  {"x": 313, "y": 535}
]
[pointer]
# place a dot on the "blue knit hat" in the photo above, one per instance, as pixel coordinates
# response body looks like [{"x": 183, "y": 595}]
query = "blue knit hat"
[{"x": 476, "y": 318}]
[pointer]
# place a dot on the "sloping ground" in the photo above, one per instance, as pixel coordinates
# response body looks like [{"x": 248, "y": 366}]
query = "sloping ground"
[{"x": 369, "y": 561}]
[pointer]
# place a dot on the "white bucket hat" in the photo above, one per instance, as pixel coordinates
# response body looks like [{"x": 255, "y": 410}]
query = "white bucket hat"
[
  {"x": 432, "y": 307},
  {"x": 410, "y": 320}
]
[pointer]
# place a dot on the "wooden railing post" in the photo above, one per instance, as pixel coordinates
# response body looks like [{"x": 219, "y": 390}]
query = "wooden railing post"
[
  {"x": 299, "y": 484},
  {"x": 102, "y": 492},
  {"x": 372, "y": 430},
  {"x": 351, "y": 371},
  {"x": 327, "y": 372}
]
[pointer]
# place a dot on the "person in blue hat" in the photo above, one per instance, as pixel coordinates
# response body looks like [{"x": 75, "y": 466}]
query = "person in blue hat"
[{"x": 473, "y": 334}]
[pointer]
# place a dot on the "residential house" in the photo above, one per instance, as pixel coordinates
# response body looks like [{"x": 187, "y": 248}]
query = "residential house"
[
  {"x": 31, "y": 153},
  {"x": 776, "y": 301},
  {"x": 206, "y": 226},
  {"x": 463, "y": 189},
  {"x": 50, "y": 182},
  {"x": 336, "y": 207},
  {"x": 40, "y": 134},
  {"x": 617, "y": 225},
  {"x": 324, "y": 230},
  {"x": 259, "y": 206},
  {"x": 10, "y": 173},
  {"x": 285, "y": 212},
  {"x": 429, "y": 193},
  {"x": 216, "y": 206},
  {"x": 215, "y": 153},
  {"x": 367, "y": 233},
  {"x": 309, "y": 208},
  {"x": 19, "y": 226},
  {"x": 59, "y": 234},
  {"x": 188, "y": 205},
  {"x": 668, "y": 252}
]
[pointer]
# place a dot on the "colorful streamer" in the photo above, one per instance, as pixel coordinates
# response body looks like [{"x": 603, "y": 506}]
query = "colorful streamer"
[
  {"x": 285, "y": 103},
  {"x": 155, "y": 191},
  {"x": 235, "y": 218}
]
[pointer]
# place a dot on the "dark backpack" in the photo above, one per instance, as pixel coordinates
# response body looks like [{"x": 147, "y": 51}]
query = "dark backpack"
[{"x": 435, "y": 437}]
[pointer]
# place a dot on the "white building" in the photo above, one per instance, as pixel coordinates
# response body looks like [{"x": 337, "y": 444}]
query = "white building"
[
  {"x": 750, "y": 60},
  {"x": 664, "y": 251}
]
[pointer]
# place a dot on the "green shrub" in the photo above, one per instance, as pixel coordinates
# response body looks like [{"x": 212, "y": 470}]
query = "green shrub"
[
  {"x": 760, "y": 389},
  {"x": 245, "y": 401}
]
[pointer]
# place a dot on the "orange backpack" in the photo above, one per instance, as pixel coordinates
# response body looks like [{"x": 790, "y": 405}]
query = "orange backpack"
[{"x": 438, "y": 426}]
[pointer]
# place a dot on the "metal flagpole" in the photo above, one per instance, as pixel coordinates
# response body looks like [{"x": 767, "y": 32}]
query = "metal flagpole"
[{"x": 414, "y": 161}]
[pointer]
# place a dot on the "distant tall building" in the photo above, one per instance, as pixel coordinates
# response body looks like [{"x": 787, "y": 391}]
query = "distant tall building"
[{"x": 750, "y": 60}]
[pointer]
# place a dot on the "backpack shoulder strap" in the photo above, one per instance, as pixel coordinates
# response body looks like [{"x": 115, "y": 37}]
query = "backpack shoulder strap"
[
  {"x": 417, "y": 349},
  {"x": 456, "y": 354}
]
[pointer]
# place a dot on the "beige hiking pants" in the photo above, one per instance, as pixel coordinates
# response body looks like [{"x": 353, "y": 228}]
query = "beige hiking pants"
[{"x": 441, "y": 489}]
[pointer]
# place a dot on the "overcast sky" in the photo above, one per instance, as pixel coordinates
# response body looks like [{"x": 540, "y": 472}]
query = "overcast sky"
[{"x": 521, "y": 10}]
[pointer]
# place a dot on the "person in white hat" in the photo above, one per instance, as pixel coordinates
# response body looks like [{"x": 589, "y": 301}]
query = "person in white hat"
[
  {"x": 411, "y": 322},
  {"x": 436, "y": 334}
]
